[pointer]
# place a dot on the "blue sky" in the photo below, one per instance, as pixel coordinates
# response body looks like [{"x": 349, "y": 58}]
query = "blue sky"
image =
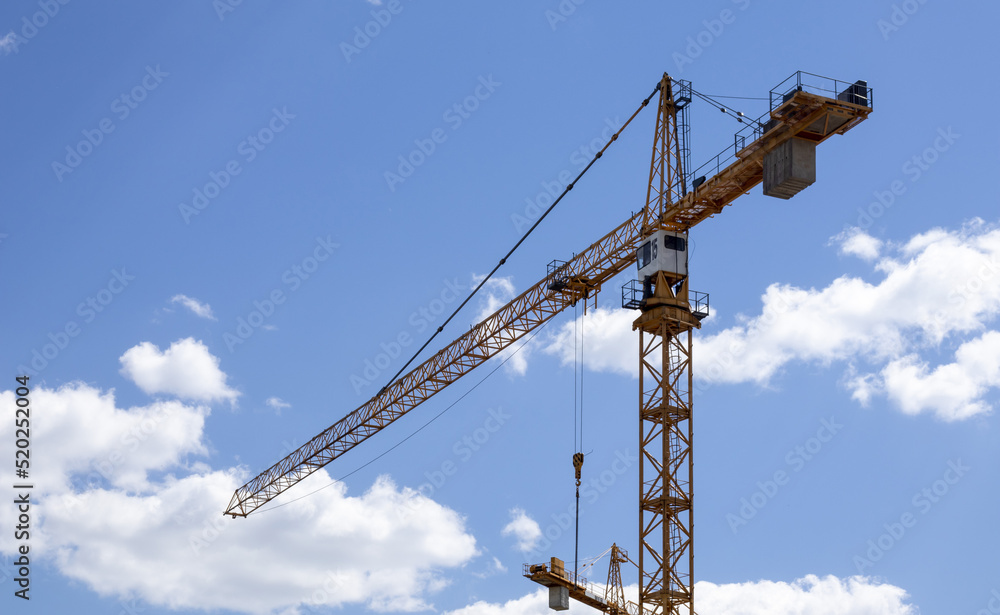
[{"x": 211, "y": 251}]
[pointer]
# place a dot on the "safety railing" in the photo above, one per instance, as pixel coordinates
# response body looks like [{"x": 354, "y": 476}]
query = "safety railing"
[
  {"x": 633, "y": 296},
  {"x": 857, "y": 93}
]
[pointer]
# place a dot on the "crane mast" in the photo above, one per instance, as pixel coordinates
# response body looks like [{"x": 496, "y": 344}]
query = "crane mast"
[
  {"x": 779, "y": 151},
  {"x": 666, "y": 517}
]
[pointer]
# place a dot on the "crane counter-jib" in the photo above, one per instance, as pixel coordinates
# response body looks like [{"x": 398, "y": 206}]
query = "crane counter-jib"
[{"x": 802, "y": 116}]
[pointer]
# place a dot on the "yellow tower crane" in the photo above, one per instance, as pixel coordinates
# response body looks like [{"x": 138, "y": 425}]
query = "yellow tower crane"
[{"x": 779, "y": 150}]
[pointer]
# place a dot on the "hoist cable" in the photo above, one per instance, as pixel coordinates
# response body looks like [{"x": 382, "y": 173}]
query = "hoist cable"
[
  {"x": 503, "y": 260},
  {"x": 576, "y": 430},
  {"x": 736, "y": 97},
  {"x": 738, "y": 115}
]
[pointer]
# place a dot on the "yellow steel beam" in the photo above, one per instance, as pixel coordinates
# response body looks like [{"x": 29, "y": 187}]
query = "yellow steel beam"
[
  {"x": 804, "y": 115},
  {"x": 603, "y": 260}
]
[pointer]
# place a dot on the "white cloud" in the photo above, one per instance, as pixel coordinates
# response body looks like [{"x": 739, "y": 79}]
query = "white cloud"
[
  {"x": 940, "y": 286},
  {"x": 856, "y": 242},
  {"x": 499, "y": 291},
  {"x": 609, "y": 343},
  {"x": 277, "y": 404},
  {"x": 953, "y": 391},
  {"x": 201, "y": 310},
  {"x": 187, "y": 369},
  {"x": 524, "y": 529},
  {"x": 9, "y": 42},
  {"x": 536, "y": 603},
  {"x": 172, "y": 547},
  {"x": 88, "y": 440},
  {"x": 144, "y": 520},
  {"x": 494, "y": 568},
  {"x": 810, "y": 595}
]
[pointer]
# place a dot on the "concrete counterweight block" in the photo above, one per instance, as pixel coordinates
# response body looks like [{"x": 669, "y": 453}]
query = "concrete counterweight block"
[{"x": 789, "y": 168}]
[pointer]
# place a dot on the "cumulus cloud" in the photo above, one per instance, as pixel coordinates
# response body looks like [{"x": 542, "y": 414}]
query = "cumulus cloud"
[
  {"x": 937, "y": 289},
  {"x": 201, "y": 310},
  {"x": 499, "y": 292},
  {"x": 187, "y": 370},
  {"x": 493, "y": 568},
  {"x": 524, "y": 529},
  {"x": 856, "y": 242},
  {"x": 536, "y": 603},
  {"x": 610, "y": 345},
  {"x": 810, "y": 595},
  {"x": 277, "y": 404},
  {"x": 87, "y": 440},
  {"x": 127, "y": 505},
  {"x": 953, "y": 391}
]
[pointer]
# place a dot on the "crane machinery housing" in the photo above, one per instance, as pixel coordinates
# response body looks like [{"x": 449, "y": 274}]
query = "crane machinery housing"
[{"x": 778, "y": 150}]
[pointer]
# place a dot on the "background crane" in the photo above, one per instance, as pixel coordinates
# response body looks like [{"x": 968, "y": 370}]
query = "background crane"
[{"x": 779, "y": 150}]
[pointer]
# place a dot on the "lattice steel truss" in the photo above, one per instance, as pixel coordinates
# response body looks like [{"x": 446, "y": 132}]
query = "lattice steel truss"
[
  {"x": 666, "y": 472},
  {"x": 666, "y": 524},
  {"x": 666, "y": 175}
]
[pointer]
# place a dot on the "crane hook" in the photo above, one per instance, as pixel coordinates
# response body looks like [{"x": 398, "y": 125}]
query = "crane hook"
[{"x": 578, "y": 466}]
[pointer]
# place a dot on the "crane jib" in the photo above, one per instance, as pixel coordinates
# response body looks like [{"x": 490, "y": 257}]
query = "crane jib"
[
  {"x": 600, "y": 262},
  {"x": 800, "y": 114}
]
